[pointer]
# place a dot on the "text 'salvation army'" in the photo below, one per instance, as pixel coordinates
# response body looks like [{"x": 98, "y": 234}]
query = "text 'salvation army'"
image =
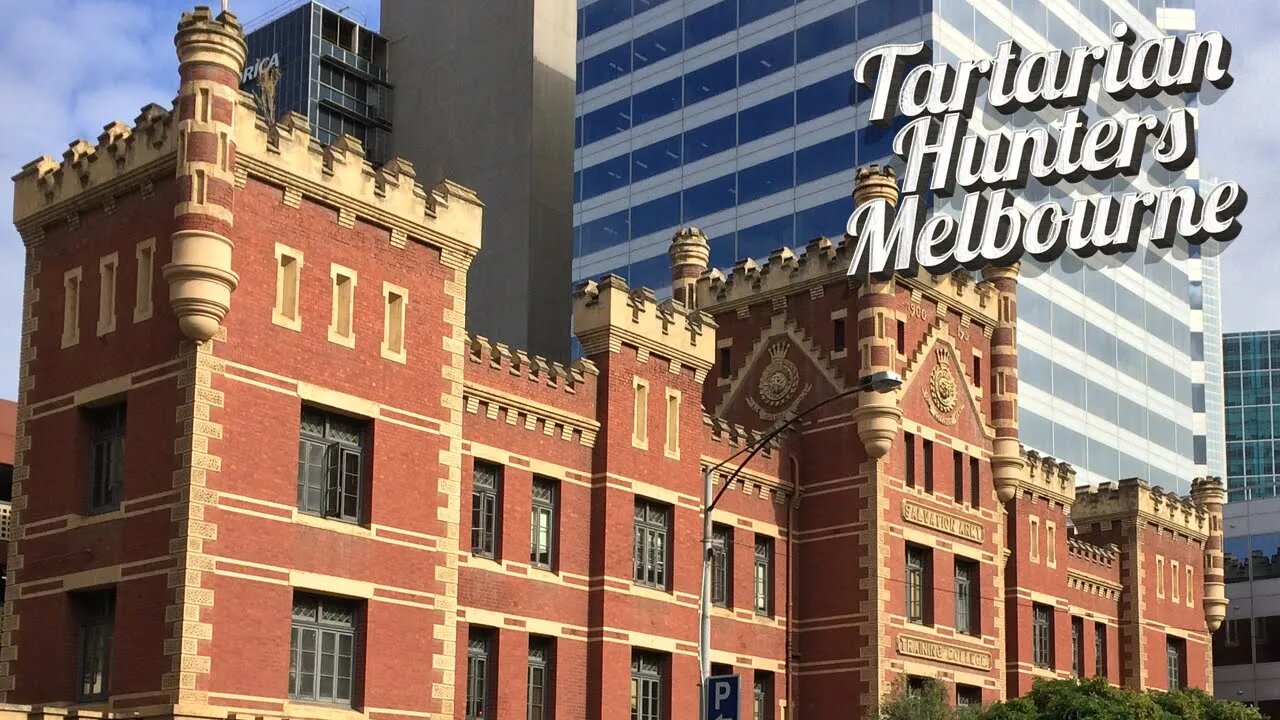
[{"x": 996, "y": 227}]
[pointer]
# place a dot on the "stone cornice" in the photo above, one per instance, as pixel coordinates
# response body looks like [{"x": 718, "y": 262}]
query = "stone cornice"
[{"x": 473, "y": 394}]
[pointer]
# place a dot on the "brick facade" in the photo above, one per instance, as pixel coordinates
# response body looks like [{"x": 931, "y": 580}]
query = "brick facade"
[{"x": 229, "y": 574}]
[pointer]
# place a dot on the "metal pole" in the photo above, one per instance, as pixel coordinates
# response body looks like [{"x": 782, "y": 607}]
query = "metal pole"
[{"x": 704, "y": 601}]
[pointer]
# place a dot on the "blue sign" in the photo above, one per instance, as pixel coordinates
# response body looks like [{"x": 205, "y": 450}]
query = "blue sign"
[{"x": 722, "y": 697}]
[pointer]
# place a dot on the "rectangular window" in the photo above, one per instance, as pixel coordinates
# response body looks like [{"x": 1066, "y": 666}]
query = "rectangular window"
[
  {"x": 909, "y": 462},
  {"x": 967, "y": 594},
  {"x": 975, "y": 482},
  {"x": 1159, "y": 576},
  {"x": 672, "y": 448},
  {"x": 1077, "y": 647},
  {"x": 902, "y": 338},
  {"x": 199, "y": 187},
  {"x": 725, "y": 356},
  {"x": 957, "y": 469},
  {"x": 322, "y": 649},
  {"x": 1176, "y": 653},
  {"x": 1175, "y": 580},
  {"x": 1100, "y": 649},
  {"x": 542, "y": 531},
  {"x": 838, "y": 334},
  {"x": 204, "y": 103},
  {"x": 1034, "y": 541},
  {"x": 968, "y": 696},
  {"x": 331, "y": 464},
  {"x": 146, "y": 254},
  {"x": 486, "y": 481},
  {"x": 395, "y": 300},
  {"x": 721, "y": 565},
  {"x": 96, "y": 612},
  {"x": 1189, "y": 589},
  {"x": 928, "y": 466},
  {"x": 647, "y": 689},
  {"x": 764, "y": 575},
  {"x": 288, "y": 289},
  {"x": 106, "y": 478},
  {"x": 71, "y": 308},
  {"x": 1050, "y": 544},
  {"x": 480, "y": 672},
  {"x": 651, "y": 522},
  {"x": 640, "y": 415},
  {"x": 541, "y": 663},
  {"x": 919, "y": 587},
  {"x": 1042, "y": 635},
  {"x": 341, "y": 330},
  {"x": 763, "y": 695},
  {"x": 977, "y": 371}
]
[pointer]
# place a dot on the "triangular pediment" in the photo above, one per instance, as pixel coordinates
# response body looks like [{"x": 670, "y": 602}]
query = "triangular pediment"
[
  {"x": 783, "y": 373},
  {"x": 937, "y": 379}
]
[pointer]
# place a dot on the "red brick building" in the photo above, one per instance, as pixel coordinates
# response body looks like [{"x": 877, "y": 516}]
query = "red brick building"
[{"x": 298, "y": 488}]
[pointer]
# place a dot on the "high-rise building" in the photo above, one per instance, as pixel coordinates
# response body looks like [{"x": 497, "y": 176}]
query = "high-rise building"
[
  {"x": 742, "y": 117},
  {"x": 332, "y": 71},
  {"x": 1251, "y": 385},
  {"x": 484, "y": 95},
  {"x": 1246, "y": 647}
]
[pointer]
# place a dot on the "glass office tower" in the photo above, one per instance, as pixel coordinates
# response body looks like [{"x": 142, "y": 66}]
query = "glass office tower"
[
  {"x": 1251, "y": 384},
  {"x": 332, "y": 70},
  {"x": 742, "y": 117},
  {"x": 1246, "y": 648}
]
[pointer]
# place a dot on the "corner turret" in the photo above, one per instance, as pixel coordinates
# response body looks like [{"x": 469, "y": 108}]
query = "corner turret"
[
  {"x": 1210, "y": 494},
  {"x": 211, "y": 54},
  {"x": 1007, "y": 462},
  {"x": 689, "y": 253}
]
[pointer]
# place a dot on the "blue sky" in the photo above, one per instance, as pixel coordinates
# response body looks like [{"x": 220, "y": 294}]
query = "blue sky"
[{"x": 68, "y": 67}]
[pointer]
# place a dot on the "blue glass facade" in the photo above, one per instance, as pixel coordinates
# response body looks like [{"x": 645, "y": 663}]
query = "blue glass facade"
[
  {"x": 1251, "y": 387},
  {"x": 741, "y": 117}
]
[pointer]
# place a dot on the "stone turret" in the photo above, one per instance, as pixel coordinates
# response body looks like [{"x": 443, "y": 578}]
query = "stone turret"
[
  {"x": 211, "y": 54},
  {"x": 1210, "y": 494},
  {"x": 689, "y": 255},
  {"x": 1007, "y": 462},
  {"x": 878, "y": 415}
]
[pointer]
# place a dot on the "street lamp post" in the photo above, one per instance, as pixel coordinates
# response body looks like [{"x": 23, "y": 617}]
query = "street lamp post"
[{"x": 882, "y": 382}]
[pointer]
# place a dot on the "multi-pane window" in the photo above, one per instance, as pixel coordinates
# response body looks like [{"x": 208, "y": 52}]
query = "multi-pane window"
[
  {"x": 968, "y": 696},
  {"x": 331, "y": 450},
  {"x": 918, "y": 584},
  {"x": 96, "y": 631},
  {"x": 1077, "y": 647},
  {"x": 479, "y": 682},
  {"x": 764, "y": 575},
  {"x": 763, "y": 696},
  {"x": 485, "y": 481},
  {"x": 542, "y": 531},
  {"x": 721, "y": 564},
  {"x": 322, "y": 649},
  {"x": 540, "y": 663},
  {"x": 967, "y": 597},
  {"x": 1042, "y": 635},
  {"x": 1100, "y": 649},
  {"x": 646, "y": 685},
  {"x": 1176, "y": 652},
  {"x": 652, "y": 521},
  {"x": 106, "y": 449}
]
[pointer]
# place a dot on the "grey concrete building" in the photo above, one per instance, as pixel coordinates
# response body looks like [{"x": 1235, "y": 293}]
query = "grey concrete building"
[{"x": 485, "y": 96}]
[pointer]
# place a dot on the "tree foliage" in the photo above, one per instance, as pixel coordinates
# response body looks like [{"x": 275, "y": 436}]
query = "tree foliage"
[{"x": 1066, "y": 700}]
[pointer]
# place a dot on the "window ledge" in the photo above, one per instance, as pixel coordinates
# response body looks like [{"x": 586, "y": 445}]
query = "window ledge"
[
  {"x": 302, "y": 710},
  {"x": 331, "y": 524},
  {"x": 652, "y": 593}
]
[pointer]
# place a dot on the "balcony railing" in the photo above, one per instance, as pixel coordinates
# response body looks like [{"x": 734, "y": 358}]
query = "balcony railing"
[{"x": 346, "y": 57}]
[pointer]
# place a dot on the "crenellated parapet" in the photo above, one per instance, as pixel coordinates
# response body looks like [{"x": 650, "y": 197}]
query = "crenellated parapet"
[
  {"x": 1134, "y": 498},
  {"x": 447, "y": 216},
  {"x": 608, "y": 314},
  {"x": 1090, "y": 553},
  {"x": 123, "y": 159},
  {"x": 1049, "y": 478},
  {"x": 722, "y": 431},
  {"x": 533, "y": 368}
]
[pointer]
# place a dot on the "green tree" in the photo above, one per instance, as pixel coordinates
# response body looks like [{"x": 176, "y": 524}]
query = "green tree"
[
  {"x": 1096, "y": 700},
  {"x": 927, "y": 702}
]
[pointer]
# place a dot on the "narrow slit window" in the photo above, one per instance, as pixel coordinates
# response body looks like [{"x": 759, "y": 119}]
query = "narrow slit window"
[
  {"x": 957, "y": 462},
  {"x": 198, "y": 187},
  {"x": 1188, "y": 589},
  {"x": 224, "y": 152},
  {"x": 673, "y": 424},
  {"x": 396, "y": 299},
  {"x": 977, "y": 371},
  {"x": 838, "y": 332},
  {"x": 725, "y": 358},
  {"x": 341, "y": 328},
  {"x": 1051, "y": 544},
  {"x": 1175, "y": 573},
  {"x": 640, "y": 415},
  {"x": 107, "y": 267},
  {"x": 142, "y": 306},
  {"x": 1034, "y": 542},
  {"x": 71, "y": 308},
  {"x": 902, "y": 338},
  {"x": 1159, "y": 576},
  {"x": 205, "y": 105}
]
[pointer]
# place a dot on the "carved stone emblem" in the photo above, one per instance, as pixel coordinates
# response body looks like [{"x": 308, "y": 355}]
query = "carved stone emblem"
[
  {"x": 942, "y": 394},
  {"x": 779, "y": 387}
]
